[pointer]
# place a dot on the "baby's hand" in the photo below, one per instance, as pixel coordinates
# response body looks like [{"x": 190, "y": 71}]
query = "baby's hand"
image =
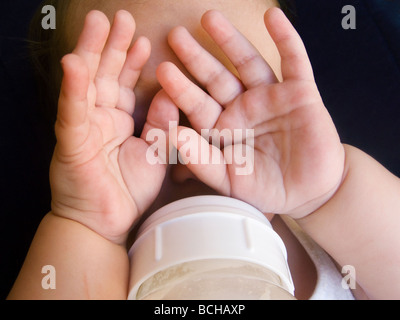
[
  {"x": 298, "y": 157},
  {"x": 99, "y": 173}
]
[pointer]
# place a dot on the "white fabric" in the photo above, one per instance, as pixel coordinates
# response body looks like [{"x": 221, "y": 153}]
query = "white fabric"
[{"x": 329, "y": 279}]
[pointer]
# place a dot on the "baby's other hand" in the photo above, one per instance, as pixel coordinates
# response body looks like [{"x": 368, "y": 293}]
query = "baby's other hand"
[
  {"x": 298, "y": 159},
  {"x": 99, "y": 173}
]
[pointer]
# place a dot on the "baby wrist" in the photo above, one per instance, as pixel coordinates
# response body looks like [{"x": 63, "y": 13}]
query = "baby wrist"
[{"x": 314, "y": 206}]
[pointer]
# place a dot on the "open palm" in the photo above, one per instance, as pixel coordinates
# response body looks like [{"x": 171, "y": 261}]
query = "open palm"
[
  {"x": 298, "y": 158},
  {"x": 99, "y": 174}
]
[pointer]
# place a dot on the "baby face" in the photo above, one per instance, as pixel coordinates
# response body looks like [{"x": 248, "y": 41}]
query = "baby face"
[{"x": 154, "y": 19}]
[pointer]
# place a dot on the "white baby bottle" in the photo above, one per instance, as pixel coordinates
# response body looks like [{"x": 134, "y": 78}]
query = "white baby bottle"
[{"x": 209, "y": 248}]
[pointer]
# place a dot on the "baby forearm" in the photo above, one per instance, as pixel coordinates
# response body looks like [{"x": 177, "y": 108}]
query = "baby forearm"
[
  {"x": 84, "y": 264},
  {"x": 360, "y": 225}
]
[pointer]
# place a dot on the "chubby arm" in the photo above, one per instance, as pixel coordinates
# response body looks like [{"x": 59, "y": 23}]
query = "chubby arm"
[
  {"x": 86, "y": 265},
  {"x": 359, "y": 226},
  {"x": 101, "y": 181},
  {"x": 78, "y": 237}
]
